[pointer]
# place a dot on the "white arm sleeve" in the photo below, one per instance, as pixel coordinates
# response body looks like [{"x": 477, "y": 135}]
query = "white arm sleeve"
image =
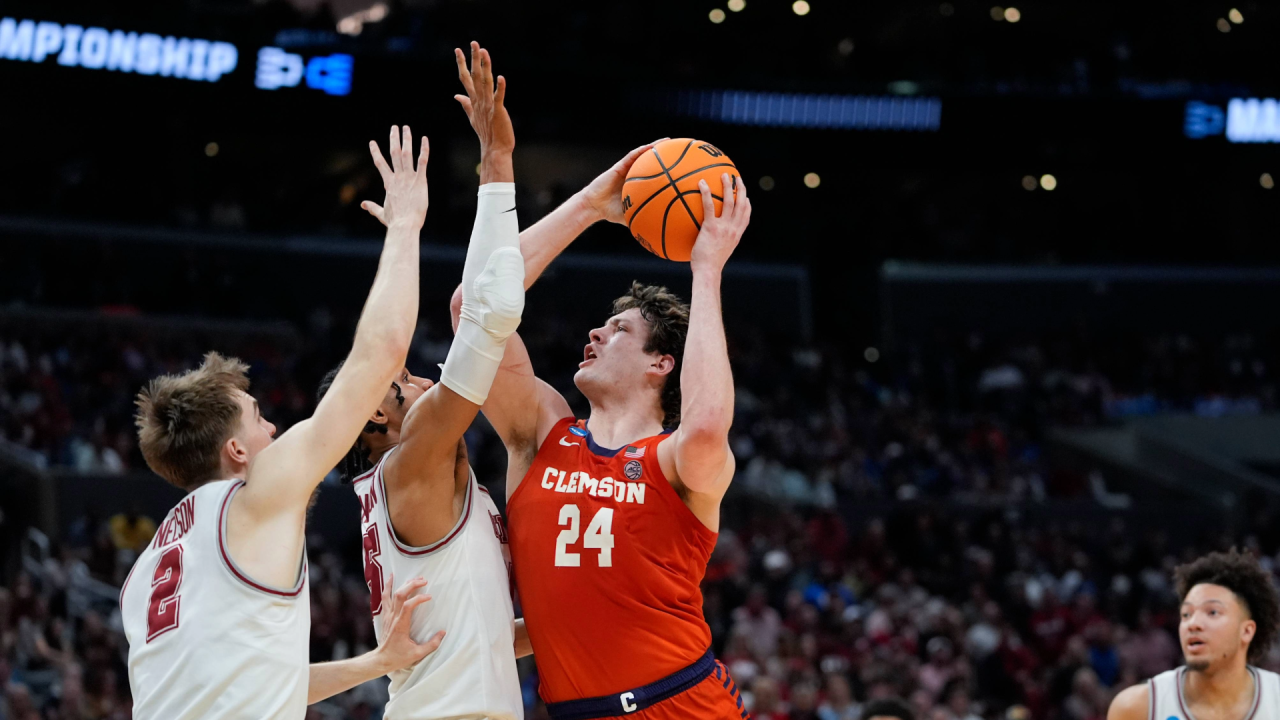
[{"x": 492, "y": 295}]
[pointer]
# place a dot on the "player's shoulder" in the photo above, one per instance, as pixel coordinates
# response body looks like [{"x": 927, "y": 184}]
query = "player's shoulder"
[{"x": 1133, "y": 703}]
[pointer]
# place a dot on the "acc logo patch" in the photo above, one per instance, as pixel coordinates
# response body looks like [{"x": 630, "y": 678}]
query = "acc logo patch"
[
  {"x": 633, "y": 470},
  {"x": 577, "y": 431}
]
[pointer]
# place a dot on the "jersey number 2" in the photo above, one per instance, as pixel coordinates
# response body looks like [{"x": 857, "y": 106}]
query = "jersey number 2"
[
  {"x": 599, "y": 536},
  {"x": 373, "y": 569},
  {"x": 162, "y": 611}
]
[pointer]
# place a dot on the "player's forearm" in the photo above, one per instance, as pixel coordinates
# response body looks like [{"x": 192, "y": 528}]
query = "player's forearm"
[
  {"x": 706, "y": 380},
  {"x": 543, "y": 241},
  {"x": 329, "y": 679},
  {"x": 391, "y": 311}
]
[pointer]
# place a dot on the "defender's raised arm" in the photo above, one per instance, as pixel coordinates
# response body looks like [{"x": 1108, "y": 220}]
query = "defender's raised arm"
[{"x": 271, "y": 510}]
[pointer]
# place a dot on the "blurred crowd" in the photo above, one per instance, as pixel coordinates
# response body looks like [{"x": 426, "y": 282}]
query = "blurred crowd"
[{"x": 892, "y": 531}]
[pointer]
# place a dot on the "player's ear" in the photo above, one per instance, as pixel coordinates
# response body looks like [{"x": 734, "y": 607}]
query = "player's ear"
[
  {"x": 235, "y": 451},
  {"x": 662, "y": 365},
  {"x": 1248, "y": 629}
]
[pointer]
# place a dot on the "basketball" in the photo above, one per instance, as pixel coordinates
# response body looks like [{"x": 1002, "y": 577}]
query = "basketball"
[{"x": 661, "y": 199}]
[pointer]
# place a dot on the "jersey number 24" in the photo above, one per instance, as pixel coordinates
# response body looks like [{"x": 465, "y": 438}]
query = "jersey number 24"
[{"x": 599, "y": 536}]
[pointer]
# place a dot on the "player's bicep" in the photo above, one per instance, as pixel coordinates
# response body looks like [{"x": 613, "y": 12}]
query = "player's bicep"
[
  {"x": 702, "y": 464},
  {"x": 513, "y": 399}
]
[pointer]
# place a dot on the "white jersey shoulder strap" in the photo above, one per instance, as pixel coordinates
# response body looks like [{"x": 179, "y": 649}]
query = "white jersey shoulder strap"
[{"x": 1168, "y": 702}]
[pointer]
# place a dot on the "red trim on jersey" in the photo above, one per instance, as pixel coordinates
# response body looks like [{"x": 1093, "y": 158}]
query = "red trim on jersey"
[
  {"x": 410, "y": 550},
  {"x": 231, "y": 565},
  {"x": 367, "y": 474}
]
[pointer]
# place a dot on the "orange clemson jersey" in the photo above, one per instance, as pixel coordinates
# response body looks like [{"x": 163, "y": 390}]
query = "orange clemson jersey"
[{"x": 608, "y": 562}]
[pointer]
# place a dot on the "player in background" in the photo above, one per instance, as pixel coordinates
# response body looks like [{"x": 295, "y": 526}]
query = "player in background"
[
  {"x": 1230, "y": 614},
  {"x": 422, "y": 511},
  {"x": 613, "y": 518},
  {"x": 216, "y": 609}
]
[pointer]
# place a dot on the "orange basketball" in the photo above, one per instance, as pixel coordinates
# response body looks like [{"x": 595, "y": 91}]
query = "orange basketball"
[{"x": 661, "y": 200}]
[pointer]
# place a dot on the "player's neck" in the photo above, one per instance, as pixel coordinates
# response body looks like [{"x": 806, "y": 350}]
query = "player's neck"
[
  {"x": 615, "y": 426},
  {"x": 1216, "y": 686}
]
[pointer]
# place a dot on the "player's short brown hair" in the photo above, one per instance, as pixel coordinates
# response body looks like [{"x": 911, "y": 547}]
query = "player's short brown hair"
[
  {"x": 183, "y": 420},
  {"x": 668, "y": 318},
  {"x": 1242, "y": 575}
]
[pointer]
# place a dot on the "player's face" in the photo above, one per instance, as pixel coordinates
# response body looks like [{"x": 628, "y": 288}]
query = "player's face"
[
  {"x": 254, "y": 432},
  {"x": 1214, "y": 626},
  {"x": 616, "y": 355},
  {"x": 402, "y": 394}
]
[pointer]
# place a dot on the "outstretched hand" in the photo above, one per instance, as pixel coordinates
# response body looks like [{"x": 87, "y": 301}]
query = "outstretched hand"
[
  {"x": 483, "y": 103},
  {"x": 406, "y": 200},
  {"x": 720, "y": 234},
  {"x": 398, "y": 649},
  {"x": 604, "y": 194}
]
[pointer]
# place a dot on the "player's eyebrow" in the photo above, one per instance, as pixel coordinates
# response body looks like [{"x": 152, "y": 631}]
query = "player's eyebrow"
[{"x": 1213, "y": 601}]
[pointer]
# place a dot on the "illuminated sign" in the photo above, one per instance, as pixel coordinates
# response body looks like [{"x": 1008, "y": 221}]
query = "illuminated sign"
[
  {"x": 851, "y": 112},
  {"x": 97, "y": 48},
  {"x": 279, "y": 69},
  {"x": 1246, "y": 120}
]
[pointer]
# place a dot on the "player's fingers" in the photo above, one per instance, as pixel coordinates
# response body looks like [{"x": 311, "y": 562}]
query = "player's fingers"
[
  {"x": 476, "y": 75},
  {"x": 406, "y": 149},
  {"x": 373, "y": 209},
  {"x": 380, "y": 163},
  {"x": 501, "y": 94},
  {"x": 486, "y": 69},
  {"x": 423, "y": 155},
  {"x": 464, "y": 74},
  {"x": 465, "y": 102},
  {"x": 394, "y": 148},
  {"x": 407, "y": 589},
  {"x": 708, "y": 207},
  {"x": 726, "y": 187},
  {"x": 433, "y": 644},
  {"x": 414, "y": 602},
  {"x": 741, "y": 203},
  {"x": 630, "y": 158}
]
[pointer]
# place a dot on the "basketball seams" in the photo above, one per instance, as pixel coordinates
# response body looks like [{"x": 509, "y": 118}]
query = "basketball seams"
[
  {"x": 681, "y": 197},
  {"x": 671, "y": 181},
  {"x": 667, "y": 212}
]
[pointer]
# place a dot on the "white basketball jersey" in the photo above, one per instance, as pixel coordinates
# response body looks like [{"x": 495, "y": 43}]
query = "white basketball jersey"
[
  {"x": 1168, "y": 703},
  {"x": 205, "y": 641},
  {"x": 468, "y": 574}
]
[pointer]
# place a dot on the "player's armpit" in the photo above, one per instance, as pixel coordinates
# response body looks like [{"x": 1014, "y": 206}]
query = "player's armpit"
[
  {"x": 422, "y": 472},
  {"x": 1131, "y": 704}
]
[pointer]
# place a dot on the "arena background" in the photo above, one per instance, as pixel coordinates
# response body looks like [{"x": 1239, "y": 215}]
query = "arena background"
[{"x": 1004, "y": 327}]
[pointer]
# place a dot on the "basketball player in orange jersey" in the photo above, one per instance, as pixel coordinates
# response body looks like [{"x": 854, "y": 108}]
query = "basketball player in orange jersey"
[
  {"x": 216, "y": 609},
  {"x": 612, "y": 519}
]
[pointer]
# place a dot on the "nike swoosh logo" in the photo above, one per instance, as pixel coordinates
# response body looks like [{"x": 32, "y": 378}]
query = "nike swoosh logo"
[
  {"x": 567, "y": 444},
  {"x": 504, "y": 212}
]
